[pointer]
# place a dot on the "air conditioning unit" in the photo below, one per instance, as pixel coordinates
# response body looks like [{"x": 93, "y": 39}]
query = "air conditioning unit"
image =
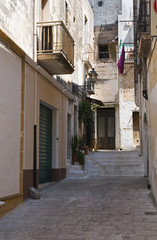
[{"x": 90, "y": 87}]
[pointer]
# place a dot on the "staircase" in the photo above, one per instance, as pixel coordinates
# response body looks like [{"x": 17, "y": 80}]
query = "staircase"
[
  {"x": 76, "y": 171},
  {"x": 114, "y": 163}
]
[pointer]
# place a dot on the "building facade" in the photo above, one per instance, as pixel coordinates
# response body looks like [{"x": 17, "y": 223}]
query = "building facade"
[
  {"x": 116, "y": 120},
  {"x": 128, "y": 110},
  {"x": 145, "y": 84},
  {"x": 44, "y": 60}
]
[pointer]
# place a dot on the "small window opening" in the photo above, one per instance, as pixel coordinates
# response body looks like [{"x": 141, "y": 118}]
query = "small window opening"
[
  {"x": 99, "y": 3},
  {"x": 103, "y": 51},
  {"x": 85, "y": 20}
]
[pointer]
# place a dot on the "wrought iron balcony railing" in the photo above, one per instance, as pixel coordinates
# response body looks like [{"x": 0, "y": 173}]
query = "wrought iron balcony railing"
[
  {"x": 129, "y": 52},
  {"x": 55, "y": 47},
  {"x": 142, "y": 29},
  {"x": 143, "y": 18}
]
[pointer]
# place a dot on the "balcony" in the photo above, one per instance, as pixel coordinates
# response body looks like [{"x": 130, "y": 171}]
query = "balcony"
[
  {"x": 129, "y": 52},
  {"x": 55, "y": 48},
  {"x": 143, "y": 20},
  {"x": 143, "y": 29},
  {"x": 144, "y": 45}
]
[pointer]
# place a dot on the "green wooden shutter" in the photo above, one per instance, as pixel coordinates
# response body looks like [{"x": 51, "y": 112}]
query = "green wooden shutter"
[{"x": 45, "y": 144}]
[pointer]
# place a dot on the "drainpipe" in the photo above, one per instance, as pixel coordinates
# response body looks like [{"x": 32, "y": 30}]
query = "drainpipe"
[
  {"x": 34, "y": 33},
  {"x": 35, "y": 180}
]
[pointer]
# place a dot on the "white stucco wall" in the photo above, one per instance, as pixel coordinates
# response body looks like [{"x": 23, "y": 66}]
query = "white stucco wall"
[
  {"x": 16, "y": 20},
  {"x": 125, "y": 27},
  {"x": 127, "y": 106},
  {"x": 126, "y": 82},
  {"x": 10, "y": 122},
  {"x": 77, "y": 10},
  {"x": 151, "y": 111},
  {"x": 29, "y": 122},
  {"x": 126, "y": 120}
]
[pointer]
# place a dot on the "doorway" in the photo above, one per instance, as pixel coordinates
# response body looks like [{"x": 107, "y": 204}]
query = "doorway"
[
  {"x": 136, "y": 135},
  {"x": 106, "y": 128},
  {"x": 45, "y": 144}
]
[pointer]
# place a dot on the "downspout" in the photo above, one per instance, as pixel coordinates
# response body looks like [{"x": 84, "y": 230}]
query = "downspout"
[
  {"x": 34, "y": 33},
  {"x": 35, "y": 180}
]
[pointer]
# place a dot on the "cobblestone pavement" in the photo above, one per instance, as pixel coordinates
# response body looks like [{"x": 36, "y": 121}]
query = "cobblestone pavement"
[{"x": 103, "y": 208}]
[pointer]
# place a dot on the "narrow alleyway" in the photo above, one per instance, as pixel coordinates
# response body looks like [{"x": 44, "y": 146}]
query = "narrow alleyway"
[{"x": 93, "y": 208}]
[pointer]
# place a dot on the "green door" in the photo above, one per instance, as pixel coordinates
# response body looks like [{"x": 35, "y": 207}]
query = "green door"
[{"x": 45, "y": 144}]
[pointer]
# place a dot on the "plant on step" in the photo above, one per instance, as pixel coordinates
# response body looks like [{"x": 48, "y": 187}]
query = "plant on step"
[
  {"x": 77, "y": 145},
  {"x": 81, "y": 158},
  {"x": 86, "y": 117},
  {"x": 75, "y": 142}
]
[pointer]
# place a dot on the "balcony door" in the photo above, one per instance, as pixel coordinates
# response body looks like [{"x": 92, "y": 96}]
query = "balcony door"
[{"x": 106, "y": 128}]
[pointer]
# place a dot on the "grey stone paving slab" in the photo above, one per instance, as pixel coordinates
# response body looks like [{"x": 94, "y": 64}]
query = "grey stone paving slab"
[{"x": 95, "y": 208}]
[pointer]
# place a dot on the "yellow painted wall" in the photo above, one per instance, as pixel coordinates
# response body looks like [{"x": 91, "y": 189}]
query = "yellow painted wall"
[
  {"x": 29, "y": 117},
  {"x": 55, "y": 99},
  {"x": 39, "y": 90},
  {"x": 10, "y": 122},
  {"x": 152, "y": 101}
]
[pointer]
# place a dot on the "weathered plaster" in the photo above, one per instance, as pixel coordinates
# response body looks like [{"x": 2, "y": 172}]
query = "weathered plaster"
[
  {"x": 10, "y": 122},
  {"x": 16, "y": 16}
]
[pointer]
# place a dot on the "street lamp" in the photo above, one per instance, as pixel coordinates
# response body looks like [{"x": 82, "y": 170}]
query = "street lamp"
[{"x": 92, "y": 77}]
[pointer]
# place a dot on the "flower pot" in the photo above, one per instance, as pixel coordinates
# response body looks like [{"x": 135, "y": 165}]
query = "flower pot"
[
  {"x": 75, "y": 161},
  {"x": 85, "y": 149}
]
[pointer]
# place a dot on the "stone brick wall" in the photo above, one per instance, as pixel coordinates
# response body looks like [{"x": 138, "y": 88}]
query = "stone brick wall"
[
  {"x": 107, "y": 13},
  {"x": 106, "y": 88}
]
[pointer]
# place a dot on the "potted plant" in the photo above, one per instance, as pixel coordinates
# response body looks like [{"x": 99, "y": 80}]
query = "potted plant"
[
  {"x": 86, "y": 117},
  {"x": 85, "y": 149},
  {"x": 74, "y": 146},
  {"x": 81, "y": 158}
]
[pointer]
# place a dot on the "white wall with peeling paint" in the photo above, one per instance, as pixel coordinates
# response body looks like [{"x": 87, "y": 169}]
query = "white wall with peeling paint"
[{"x": 16, "y": 20}]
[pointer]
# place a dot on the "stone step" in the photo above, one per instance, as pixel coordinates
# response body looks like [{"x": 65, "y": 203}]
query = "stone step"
[
  {"x": 75, "y": 168},
  {"x": 116, "y": 172},
  {"x": 75, "y": 171},
  {"x": 77, "y": 174},
  {"x": 114, "y": 156},
  {"x": 124, "y": 168},
  {"x": 116, "y": 153},
  {"x": 116, "y": 163}
]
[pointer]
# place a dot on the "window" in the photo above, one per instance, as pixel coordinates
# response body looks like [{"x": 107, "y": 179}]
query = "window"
[
  {"x": 136, "y": 136},
  {"x": 103, "y": 51},
  {"x": 99, "y": 3},
  {"x": 85, "y": 20}
]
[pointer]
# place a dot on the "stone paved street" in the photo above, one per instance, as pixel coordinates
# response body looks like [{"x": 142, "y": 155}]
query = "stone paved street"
[{"x": 95, "y": 208}]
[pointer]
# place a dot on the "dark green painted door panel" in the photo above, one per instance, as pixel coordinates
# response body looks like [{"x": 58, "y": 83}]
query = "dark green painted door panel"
[{"x": 45, "y": 144}]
